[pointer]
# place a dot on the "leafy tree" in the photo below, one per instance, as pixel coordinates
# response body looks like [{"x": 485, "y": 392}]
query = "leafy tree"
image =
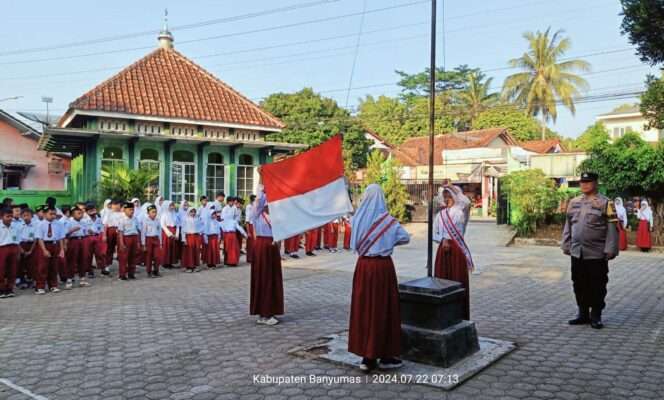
[
  {"x": 418, "y": 84},
  {"x": 120, "y": 182},
  {"x": 545, "y": 79},
  {"x": 476, "y": 97},
  {"x": 643, "y": 23},
  {"x": 520, "y": 125},
  {"x": 311, "y": 119},
  {"x": 631, "y": 166},
  {"x": 533, "y": 196},
  {"x": 593, "y": 136},
  {"x": 387, "y": 174},
  {"x": 652, "y": 102}
]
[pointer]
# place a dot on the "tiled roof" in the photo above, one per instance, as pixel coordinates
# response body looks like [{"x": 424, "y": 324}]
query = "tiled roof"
[
  {"x": 634, "y": 108},
  {"x": 542, "y": 146},
  {"x": 415, "y": 151},
  {"x": 166, "y": 84}
]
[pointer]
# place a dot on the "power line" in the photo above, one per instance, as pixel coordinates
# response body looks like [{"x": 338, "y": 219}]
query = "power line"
[
  {"x": 357, "y": 50},
  {"x": 175, "y": 28}
]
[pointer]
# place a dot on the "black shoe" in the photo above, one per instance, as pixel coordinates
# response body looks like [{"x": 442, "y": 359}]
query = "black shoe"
[
  {"x": 368, "y": 364},
  {"x": 582, "y": 318},
  {"x": 156, "y": 275},
  {"x": 105, "y": 272},
  {"x": 294, "y": 256},
  {"x": 10, "y": 293},
  {"x": 311, "y": 254},
  {"x": 123, "y": 278},
  {"x": 596, "y": 319},
  {"x": 390, "y": 363},
  {"x": 132, "y": 276},
  {"x": 91, "y": 275}
]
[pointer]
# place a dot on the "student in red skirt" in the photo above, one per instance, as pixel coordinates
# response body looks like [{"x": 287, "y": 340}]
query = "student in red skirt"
[
  {"x": 292, "y": 246},
  {"x": 230, "y": 228},
  {"x": 9, "y": 253},
  {"x": 621, "y": 214},
  {"x": 331, "y": 236},
  {"x": 453, "y": 259},
  {"x": 190, "y": 232},
  {"x": 267, "y": 288},
  {"x": 643, "y": 239},
  {"x": 375, "y": 320},
  {"x": 170, "y": 233},
  {"x": 151, "y": 242},
  {"x": 211, "y": 254},
  {"x": 128, "y": 243},
  {"x": 347, "y": 232},
  {"x": 310, "y": 240}
]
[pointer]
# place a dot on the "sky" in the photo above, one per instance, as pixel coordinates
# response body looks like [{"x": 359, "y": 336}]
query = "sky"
[{"x": 261, "y": 47}]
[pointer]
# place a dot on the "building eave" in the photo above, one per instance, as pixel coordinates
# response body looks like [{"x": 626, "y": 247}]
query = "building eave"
[{"x": 73, "y": 113}]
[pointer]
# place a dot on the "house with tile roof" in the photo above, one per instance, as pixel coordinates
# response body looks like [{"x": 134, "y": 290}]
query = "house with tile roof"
[
  {"x": 166, "y": 113},
  {"x": 22, "y": 167}
]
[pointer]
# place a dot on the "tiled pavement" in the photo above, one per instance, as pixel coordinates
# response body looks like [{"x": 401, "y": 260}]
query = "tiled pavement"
[{"x": 188, "y": 336}]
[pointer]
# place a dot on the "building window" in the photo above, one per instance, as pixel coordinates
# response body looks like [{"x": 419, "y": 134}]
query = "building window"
[
  {"x": 149, "y": 161},
  {"x": 111, "y": 158},
  {"x": 215, "y": 175},
  {"x": 11, "y": 178},
  {"x": 245, "y": 176},
  {"x": 150, "y": 129},
  {"x": 183, "y": 176},
  {"x": 113, "y": 125}
]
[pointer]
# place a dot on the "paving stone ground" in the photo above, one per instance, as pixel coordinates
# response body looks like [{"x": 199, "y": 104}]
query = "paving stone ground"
[{"x": 189, "y": 336}]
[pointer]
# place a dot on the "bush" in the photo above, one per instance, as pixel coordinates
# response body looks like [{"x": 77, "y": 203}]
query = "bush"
[
  {"x": 120, "y": 182},
  {"x": 386, "y": 174},
  {"x": 533, "y": 196}
]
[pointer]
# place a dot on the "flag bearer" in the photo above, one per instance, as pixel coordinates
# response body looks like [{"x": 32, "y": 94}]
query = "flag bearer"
[
  {"x": 267, "y": 291},
  {"x": 375, "y": 320}
]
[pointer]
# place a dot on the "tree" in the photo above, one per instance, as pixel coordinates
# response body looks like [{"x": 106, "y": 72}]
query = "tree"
[
  {"x": 593, "y": 136},
  {"x": 533, "y": 196},
  {"x": 631, "y": 166},
  {"x": 418, "y": 84},
  {"x": 120, "y": 182},
  {"x": 652, "y": 102},
  {"x": 311, "y": 119},
  {"x": 521, "y": 126},
  {"x": 476, "y": 97},
  {"x": 643, "y": 23},
  {"x": 545, "y": 79},
  {"x": 387, "y": 174}
]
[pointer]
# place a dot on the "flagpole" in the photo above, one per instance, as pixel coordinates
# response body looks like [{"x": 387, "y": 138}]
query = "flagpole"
[{"x": 432, "y": 120}]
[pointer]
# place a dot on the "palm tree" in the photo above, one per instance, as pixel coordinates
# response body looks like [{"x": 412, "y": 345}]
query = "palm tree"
[
  {"x": 545, "y": 80},
  {"x": 476, "y": 97}
]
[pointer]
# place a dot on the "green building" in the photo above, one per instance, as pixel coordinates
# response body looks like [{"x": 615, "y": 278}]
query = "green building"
[{"x": 168, "y": 114}]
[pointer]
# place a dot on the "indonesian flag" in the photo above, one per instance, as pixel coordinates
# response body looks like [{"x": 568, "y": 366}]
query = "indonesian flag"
[{"x": 306, "y": 191}]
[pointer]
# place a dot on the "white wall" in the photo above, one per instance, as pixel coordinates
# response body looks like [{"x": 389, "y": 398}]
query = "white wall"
[{"x": 631, "y": 122}]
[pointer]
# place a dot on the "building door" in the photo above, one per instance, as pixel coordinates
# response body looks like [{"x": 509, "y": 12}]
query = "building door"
[{"x": 183, "y": 181}]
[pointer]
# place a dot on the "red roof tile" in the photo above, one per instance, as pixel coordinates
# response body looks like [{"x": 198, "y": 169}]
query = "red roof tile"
[
  {"x": 415, "y": 151},
  {"x": 166, "y": 84},
  {"x": 542, "y": 146}
]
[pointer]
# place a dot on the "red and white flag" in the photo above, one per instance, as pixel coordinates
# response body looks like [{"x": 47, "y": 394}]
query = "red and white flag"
[{"x": 306, "y": 191}]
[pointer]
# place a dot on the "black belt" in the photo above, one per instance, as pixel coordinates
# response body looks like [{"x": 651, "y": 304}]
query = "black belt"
[
  {"x": 51, "y": 242},
  {"x": 76, "y": 238}
]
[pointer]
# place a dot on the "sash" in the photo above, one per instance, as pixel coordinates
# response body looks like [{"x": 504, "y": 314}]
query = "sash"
[
  {"x": 365, "y": 244},
  {"x": 266, "y": 219},
  {"x": 457, "y": 237}
]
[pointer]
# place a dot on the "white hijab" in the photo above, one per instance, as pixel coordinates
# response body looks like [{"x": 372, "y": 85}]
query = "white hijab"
[
  {"x": 645, "y": 213},
  {"x": 168, "y": 217},
  {"x": 105, "y": 209},
  {"x": 621, "y": 213}
]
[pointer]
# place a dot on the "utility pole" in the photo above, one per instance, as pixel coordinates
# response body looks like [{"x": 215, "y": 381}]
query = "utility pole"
[{"x": 432, "y": 121}]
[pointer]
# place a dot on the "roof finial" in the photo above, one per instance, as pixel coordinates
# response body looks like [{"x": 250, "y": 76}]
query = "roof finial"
[{"x": 165, "y": 36}]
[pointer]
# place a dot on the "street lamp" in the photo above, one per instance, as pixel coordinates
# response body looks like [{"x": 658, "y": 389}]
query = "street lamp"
[{"x": 47, "y": 100}]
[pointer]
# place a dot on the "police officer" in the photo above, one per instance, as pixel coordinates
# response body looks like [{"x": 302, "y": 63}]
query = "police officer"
[{"x": 590, "y": 237}]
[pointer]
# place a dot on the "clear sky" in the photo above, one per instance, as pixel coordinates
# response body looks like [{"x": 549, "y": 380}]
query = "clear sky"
[{"x": 312, "y": 45}]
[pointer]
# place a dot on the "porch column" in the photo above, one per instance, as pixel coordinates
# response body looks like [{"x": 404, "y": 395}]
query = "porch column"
[
  {"x": 200, "y": 177},
  {"x": 167, "y": 169}
]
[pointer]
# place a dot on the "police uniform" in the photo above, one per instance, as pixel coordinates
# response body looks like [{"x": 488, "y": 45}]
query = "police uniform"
[{"x": 590, "y": 237}]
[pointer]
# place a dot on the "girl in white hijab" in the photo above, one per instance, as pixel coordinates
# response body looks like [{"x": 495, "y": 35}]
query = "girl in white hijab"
[
  {"x": 375, "y": 321},
  {"x": 621, "y": 214},
  {"x": 643, "y": 239},
  {"x": 105, "y": 209}
]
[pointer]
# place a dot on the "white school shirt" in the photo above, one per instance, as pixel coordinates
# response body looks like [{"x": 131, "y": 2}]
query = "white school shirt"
[
  {"x": 190, "y": 225},
  {"x": 458, "y": 214},
  {"x": 128, "y": 227},
  {"x": 28, "y": 232},
  {"x": 113, "y": 219},
  {"x": 57, "y": 231},
  {"x": 8, "y": 235},
  {"x": 168, "y": 219},
  {"x": 228, "y": 222},
  {"x": 150, "y": 228},
  {"x": 72, "y": 223},
  {"x": 96, "y": 226}
]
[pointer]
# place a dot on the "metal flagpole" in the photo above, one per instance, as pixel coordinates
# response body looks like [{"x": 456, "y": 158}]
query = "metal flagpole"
[{"x": 432, "y": 118}]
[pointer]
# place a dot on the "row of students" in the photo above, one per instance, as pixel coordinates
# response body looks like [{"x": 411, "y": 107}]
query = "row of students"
[
  {"x": 645, "y": 227},
  {"x": 324, "y": 237}
]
